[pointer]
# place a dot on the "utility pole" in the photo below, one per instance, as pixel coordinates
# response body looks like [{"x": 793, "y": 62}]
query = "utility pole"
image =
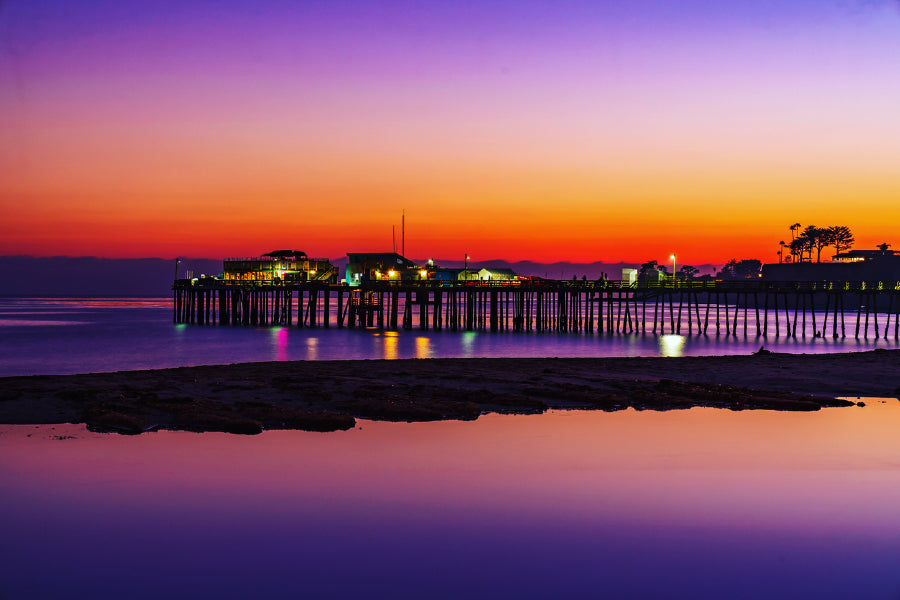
[{"x": 403, "y": 233}]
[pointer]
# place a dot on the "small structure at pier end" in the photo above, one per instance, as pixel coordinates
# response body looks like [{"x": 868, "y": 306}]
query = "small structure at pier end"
[
  {"x": 854, "y": 265},
  {"x": 280, "y": 265}
]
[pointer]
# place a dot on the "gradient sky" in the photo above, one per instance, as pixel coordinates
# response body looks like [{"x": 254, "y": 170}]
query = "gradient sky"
[{"x": 564, "y": 130}]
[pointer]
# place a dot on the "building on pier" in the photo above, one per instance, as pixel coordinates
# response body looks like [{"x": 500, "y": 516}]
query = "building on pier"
[
  {"x": 445, "y": 274},
  {"x": 853, "y": 256},
  {"x": 390, "y": 266},
  {"x": 492, "y": 274},
  {"x": 381, "y": 266},
  {"x": 280, "y": 265}
]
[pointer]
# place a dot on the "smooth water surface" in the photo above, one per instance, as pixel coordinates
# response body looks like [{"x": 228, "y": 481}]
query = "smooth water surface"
[
  {"x": 701, "y": 503},
  {"x": 58, "y": 336}
]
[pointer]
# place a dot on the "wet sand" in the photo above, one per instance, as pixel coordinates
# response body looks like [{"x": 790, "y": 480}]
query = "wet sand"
[{"x": 330, "y": 395}]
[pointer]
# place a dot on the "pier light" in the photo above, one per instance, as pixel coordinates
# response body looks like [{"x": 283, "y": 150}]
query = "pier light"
[
  {"x": 312, "y": 271},
  {"x": 391, "y": 273},
  {"x": 423, "y": 273}
]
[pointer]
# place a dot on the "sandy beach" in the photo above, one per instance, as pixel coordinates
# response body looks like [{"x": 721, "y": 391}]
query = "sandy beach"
[{"x": 330, "y": 395}]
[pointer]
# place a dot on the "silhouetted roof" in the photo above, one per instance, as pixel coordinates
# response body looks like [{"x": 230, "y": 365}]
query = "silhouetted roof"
[
  {"x": 869, "y": 254},
  {"x": 381, "y": 258},
  {"x": 285, "y": 253}
]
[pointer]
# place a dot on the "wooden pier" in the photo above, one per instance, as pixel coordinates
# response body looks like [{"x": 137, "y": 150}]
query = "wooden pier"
[{"x": 730, "y": 308}]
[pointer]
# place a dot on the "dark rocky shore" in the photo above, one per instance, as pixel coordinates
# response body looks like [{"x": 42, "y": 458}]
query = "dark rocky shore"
[{"x": 330, "y": 395}]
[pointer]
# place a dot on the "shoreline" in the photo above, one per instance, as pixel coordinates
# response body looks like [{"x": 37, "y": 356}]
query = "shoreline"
[{"x": 330, "y": 395}]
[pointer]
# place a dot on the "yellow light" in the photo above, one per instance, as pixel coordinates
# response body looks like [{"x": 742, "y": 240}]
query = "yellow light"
[
  {"x": 671, "y": 345},
  {"x": 423, "y": 273},
  {"x": 423, "y": 347},
  {"x": 391, "y": 273},
  {"x": 312, "y": 272}
]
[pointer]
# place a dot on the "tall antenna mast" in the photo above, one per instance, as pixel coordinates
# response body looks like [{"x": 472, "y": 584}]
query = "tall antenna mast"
[{"x": 403, "y": 233}]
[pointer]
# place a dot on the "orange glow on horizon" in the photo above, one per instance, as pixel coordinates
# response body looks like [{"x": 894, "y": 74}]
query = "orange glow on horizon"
[{"x": 544, "y": 217}]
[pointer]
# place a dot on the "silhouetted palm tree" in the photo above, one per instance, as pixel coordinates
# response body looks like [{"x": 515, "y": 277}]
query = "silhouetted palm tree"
[{"x": 795, "y": 234}]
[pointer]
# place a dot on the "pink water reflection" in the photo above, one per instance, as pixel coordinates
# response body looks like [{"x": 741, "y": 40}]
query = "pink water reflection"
[
  {"x": 702, "y": 465},
  {"x": 595, "y": 487}
]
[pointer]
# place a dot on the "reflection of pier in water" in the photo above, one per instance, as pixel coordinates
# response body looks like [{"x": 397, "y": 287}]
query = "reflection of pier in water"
[{"x": 731, "y": 308}]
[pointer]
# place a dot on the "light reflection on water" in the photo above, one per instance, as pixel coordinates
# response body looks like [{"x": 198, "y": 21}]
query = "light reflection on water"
[
  {"x": 391, "y": 344},
  {"x": 312, "y": 348},
  {"x": 619, "y": 505},
  {"x": 279, "y": 343},
  {"x": 671, "y": 345},
  {"x": 423, "y": 347},
  {"x": 467, "y": 339}
]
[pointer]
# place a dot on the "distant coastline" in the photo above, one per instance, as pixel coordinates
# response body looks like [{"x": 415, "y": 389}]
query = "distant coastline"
[{"x": 90, "y": 277}]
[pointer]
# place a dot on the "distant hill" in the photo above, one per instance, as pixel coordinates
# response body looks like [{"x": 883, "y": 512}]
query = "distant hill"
[{"x": 152, "y": 277}]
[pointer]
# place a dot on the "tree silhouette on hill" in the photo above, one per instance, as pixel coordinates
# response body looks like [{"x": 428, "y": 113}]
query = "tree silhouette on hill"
[
  {"x": 687, "y": 272},
  {"x": 743, "y": 269}
]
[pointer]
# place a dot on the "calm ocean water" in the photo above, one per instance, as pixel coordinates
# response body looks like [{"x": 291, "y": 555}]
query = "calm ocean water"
[
  {"x": 699, "y": 503},
  {"x": 69, "y": 335}
]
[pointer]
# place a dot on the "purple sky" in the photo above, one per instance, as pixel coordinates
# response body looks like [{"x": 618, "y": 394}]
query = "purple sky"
[{"x": 690, "y": 117}]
